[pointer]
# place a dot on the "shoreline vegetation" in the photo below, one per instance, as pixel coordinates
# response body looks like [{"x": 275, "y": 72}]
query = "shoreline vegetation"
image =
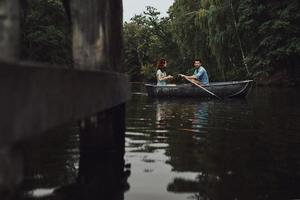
[
  {"x": 278, "y": 79},
  {"x": 236, "y": 40}
]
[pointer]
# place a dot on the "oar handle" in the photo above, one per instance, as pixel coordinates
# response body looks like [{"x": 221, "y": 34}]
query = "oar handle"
[
  {"x": 181, "y": 75},
  {"x": 206, "y": 90}
]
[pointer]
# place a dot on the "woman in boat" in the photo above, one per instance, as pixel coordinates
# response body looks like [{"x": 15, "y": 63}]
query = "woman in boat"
[
  {"x": 200, "y": 73},
  {"x": 161, "y": 74}
]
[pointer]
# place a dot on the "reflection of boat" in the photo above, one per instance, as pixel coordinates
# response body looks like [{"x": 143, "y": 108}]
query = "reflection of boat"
[{"x": 221, "y": 89}]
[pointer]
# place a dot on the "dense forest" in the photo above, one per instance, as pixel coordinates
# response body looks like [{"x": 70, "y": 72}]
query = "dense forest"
[
  {"x": 235, "y": 39},
  {"x": 46, "y": 32}
]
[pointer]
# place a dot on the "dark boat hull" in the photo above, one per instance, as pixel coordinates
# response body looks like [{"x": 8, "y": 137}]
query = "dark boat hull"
[{"x": 221, "y": 89}]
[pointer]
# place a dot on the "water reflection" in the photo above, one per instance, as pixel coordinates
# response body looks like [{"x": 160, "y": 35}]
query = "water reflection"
[
  {"x": 160, "y": 130},
  {"x": 233, "y": 149},
  {"x": 193, "y": 115},
  {"x": 55, "y": 172},
  {"x": 241, "y": 166},
  {"x": 182, "y": 149},
  {"x": 240, "y": 163}
]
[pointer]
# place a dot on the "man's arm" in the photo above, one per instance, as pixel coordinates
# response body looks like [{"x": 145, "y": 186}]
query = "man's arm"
[
  {"x": 189, "y": 77},
  {"x": 199, "y": 74}
]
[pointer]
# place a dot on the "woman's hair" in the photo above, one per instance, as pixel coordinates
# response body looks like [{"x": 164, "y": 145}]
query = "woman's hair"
[{"x": 161, "y": 63}]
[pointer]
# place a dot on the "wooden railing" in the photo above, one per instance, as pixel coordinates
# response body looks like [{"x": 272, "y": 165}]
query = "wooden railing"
[{"x": 35, "y": 98}]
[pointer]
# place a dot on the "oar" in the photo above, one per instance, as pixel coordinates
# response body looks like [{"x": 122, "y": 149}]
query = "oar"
[{"x": 206, "y": 90}]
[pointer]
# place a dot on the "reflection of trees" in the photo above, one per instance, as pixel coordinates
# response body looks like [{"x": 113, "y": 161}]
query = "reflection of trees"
[
  {"x": 239, "y": 150},
  {"x": 51, "y": 160},
  {"x": 191, "y": 119},
  {"x": 100, "y": 178},
  {"x": 55, "y": 164},
  {"x": 238, "y": 163}
]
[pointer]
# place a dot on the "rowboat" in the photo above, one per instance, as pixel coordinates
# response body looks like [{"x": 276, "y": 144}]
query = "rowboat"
[{"x": 222, "y": 89}]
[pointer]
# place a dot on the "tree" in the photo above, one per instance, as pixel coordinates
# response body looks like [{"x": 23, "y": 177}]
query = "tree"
[
  {"x": 147, "y": 38},
  {"x": 275, "y": 45},
  {"x": 236, "y": 39},
  {"x": 46, "y": 33}
]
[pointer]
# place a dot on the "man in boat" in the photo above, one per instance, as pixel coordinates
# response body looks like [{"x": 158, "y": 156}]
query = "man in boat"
[{"x": 200, "y": 74}]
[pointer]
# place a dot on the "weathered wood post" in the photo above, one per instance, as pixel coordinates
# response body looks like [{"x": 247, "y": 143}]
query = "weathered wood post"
[
  {"x": 97, "y": 33},
  {"x": 9, "y": 29},
  {"x": 11, "y": 165}
]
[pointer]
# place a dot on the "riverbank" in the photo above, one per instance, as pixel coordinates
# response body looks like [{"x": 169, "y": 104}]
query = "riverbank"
[{"x": 279, "y": 79}]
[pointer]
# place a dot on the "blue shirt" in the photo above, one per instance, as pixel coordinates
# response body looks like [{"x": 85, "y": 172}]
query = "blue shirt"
[{"x": 201, "y": 75}]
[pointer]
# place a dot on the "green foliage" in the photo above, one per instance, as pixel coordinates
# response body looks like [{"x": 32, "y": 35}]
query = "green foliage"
[
  {"x": 147, "y": 38},
  {"x": 233, "y": 38},
  {"x": 217, "y": 19},
  {"x": 187, "y": 35},
  {"x": 275, "y": 46},
  {"x": 149, "y": 71},
  {"x": 46, "y": 33}
]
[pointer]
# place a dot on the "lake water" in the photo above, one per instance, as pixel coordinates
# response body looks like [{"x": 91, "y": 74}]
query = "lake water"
[{"x": 187, "y": 148}]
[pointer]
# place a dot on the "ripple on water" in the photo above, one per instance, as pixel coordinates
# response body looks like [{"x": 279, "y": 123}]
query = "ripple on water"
[{"x": 40, "y": 192}]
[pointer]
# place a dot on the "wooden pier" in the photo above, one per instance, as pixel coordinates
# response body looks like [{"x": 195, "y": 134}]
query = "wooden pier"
[{"x": 35, "y": 97}]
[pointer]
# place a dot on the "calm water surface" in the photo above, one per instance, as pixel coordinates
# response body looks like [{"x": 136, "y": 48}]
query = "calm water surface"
[
  {"x": 193, "y": 149},
  {"x": 209, "y": 149}
]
